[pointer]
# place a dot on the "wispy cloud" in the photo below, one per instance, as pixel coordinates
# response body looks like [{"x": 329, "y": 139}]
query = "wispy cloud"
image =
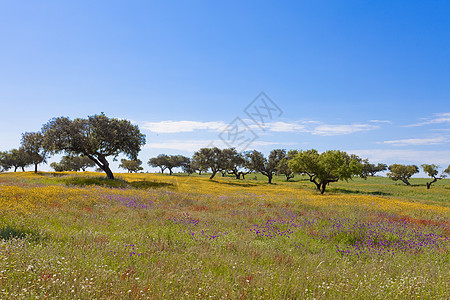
[
  {"x": 312, "y": 127},
  {"x": 182, "y": 126},
  {"x": 327, "y": 130},
  {"x": 286, "y": 127},
  {"x": 194, "y": 145},
  {"x": 417, "y": 142},
  {"x": 381, "y": 121},
  {"x": 436, "y": 119}
]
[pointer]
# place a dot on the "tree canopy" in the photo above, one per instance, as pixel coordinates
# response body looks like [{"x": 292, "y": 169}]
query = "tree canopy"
[
  {"x": 266, "y": 166},
  {"x": 72, "y": 163},
  {"x": 402, "y": 172},
  {"x": 324, "y": 168},
  {"x": 96, "y": 137},
  {"x": 131, "y": 165},
  {"x": 33, "y": 144},
  {"x": 169, "y": 162},
  {"x": 210, "y": 158}
]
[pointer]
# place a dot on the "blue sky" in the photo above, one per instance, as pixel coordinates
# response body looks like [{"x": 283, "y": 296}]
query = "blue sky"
[{"x": 368, "y": 77}]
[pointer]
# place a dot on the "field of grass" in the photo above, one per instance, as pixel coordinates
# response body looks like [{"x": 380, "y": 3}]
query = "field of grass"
[{"x": 79, "y": 236}]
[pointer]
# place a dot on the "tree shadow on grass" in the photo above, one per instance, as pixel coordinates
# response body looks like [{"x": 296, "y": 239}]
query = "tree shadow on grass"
[
  {"x": 247, "y": 184},
  {"x": 8, "y": 233},
  {"x": 115, "y": 183},
  {"x": 149, "y": 184},
  {"x": 347, "y": 191}
]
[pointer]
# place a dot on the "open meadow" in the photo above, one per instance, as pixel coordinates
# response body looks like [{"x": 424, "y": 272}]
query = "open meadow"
[{"x": 76, "y": 235}]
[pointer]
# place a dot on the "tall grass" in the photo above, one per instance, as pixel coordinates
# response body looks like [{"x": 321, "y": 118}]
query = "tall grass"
[{"x": 195, "y": 238}]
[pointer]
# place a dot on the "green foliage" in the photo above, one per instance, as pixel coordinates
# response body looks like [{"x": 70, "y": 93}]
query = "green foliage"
[
  {"x": 266, "y": 166},
  {"x": 402, "y": 172},
  {"x": 326, "y": 167},
  {"x": 33, "y": 144},
  {"x": 73, "y": 163},
  {"x": 96, "y": 137},
  {"x": 131, "y": 165},
  {"x": 169, "y": 162},
  {"x": 369, "y": 169},
  {"x": 283, "y": 167},
  {"x": 210, "y": 158},
  {"x": 15, "y": 158},
  {"x": 432, "y": 171},
  {"x": 235, "y": 163}
]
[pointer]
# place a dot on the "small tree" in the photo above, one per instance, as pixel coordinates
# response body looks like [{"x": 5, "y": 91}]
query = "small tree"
[
  {"x": 17, "y": 158},
  {"x": 58, "y": 167},
  {"x": 72, "y": 163},
  {"x": 235, "y": 163},
  {"x": 33, "y": 144},
  {"x": 266, "y": 166},
  {"x": 432, "y": 171},
  {"x": 161, "y": 161},
  {"x": 402, "y": 172},
  {"x": 283, "y": 166},
  {"x": 96, "y": 137},
  {"x": 131, "y": 165},
  {"x": 187, "y": 167},
  {"x": 327, "y": 167},
  {"x": 5, "y": 161},
  {"x": 210, "y": 158},
  {"x": 369, "y": 169}
]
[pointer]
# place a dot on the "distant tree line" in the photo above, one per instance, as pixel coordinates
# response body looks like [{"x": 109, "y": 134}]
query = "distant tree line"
[{"x": 89, "y": 142}]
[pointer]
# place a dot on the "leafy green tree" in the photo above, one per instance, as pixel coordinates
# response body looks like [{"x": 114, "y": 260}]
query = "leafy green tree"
[
  {"x": 19, "y": 158},
  {"x": 161, "y": 161},
  {"x": 326, "y": 167},
  {"x": 195, "y": 166},
  {"x": 168, "y": 162},
  {"x": 369, "y": 169},
  {"x": 235, "y": 163},
  {"x": 447, "y": 171},
  {"x": 210, "y": 158},
  {"x": 432, "y": 171},
  {"x": 266, "y": 166},
  {"x": 5, "y": 161},
  {"x": 58, "y": 167},
  {"x": 72, "y": 163},
  {"x": 283, "y": 167},
  {"x": 96, "y": 137},
  {"x": 131, "y": 165},
  {"x": 187, "y": 167},
  {"x": 402, "y": 172},
  {"x": 33, "y": 144}
]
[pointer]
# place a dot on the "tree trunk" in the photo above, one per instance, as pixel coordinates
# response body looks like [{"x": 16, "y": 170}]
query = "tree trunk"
[
  {"x": 223, "y": 173},
  {"x": 23, "y": 169},
  {"x": 243, "y": 176},
  {"x": 406, "y": 181},
  {"x": 213, "y": 174},
  {"x": 35, "y": 168},
  {"x": 103, "y": 164},
  {"x": 323, "y": 187},
  {"x": 430, "y": 183},
  {"x": 15, "y": 169},
  {"x": 270, "y": 179},
  {"x": 199, "y": 172},
  {"x": 170, "y": 171}
]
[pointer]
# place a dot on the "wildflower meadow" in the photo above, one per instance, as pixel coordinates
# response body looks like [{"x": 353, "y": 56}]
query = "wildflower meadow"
[{"x": 154, "y": 236}]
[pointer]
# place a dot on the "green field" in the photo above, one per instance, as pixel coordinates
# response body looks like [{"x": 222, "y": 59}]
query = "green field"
[{"x": 78, "y": 236}]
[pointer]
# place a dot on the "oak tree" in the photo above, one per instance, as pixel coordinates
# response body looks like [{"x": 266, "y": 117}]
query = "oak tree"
[
  {"x": 96, "y": 137},
  {"x": 324, "y": 168},
  {"x": 402, "y": 172}
]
